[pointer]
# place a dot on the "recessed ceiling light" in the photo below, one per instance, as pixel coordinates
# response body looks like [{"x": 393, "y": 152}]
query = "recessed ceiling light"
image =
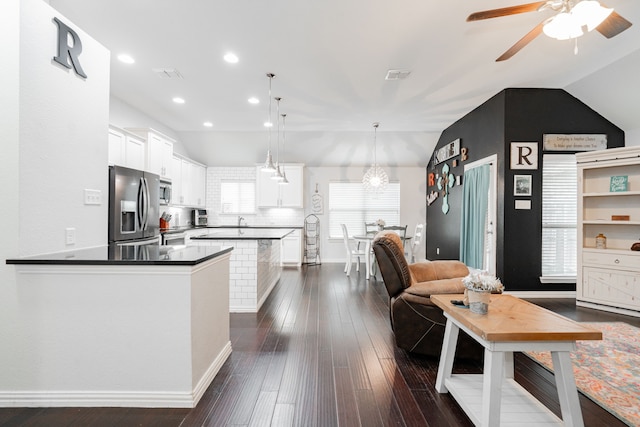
[
  {"x": 268, "y": 124},
  {"x": 231, "y": 58},
  {"x": 178, "y": 100},
  {"x": 126, "y": 58},
  {"x": 253, "y": 100},
  {"x": 207, "y": 124}
]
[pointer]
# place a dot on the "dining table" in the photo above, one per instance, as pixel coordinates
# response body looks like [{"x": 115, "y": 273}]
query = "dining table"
[{"x": 370, "y": 261}]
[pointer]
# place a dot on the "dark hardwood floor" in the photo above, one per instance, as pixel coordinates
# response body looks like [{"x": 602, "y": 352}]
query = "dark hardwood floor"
[{"x": 321, "y": 353}]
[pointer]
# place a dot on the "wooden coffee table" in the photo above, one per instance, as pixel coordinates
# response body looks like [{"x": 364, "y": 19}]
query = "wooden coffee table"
[{"x": 511, "y": 325}]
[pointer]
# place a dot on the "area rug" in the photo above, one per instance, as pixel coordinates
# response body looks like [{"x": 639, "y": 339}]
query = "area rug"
[{"x": 607, "y": 371}]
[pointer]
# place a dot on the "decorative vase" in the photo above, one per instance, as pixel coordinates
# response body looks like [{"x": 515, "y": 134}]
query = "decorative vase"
[{"x": 479, "y": 301}]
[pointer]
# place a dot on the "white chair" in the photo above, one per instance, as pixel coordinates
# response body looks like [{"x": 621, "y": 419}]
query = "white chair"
[
  {"x": 352, "y": 251},
  {"x": 417, "y": 241}
]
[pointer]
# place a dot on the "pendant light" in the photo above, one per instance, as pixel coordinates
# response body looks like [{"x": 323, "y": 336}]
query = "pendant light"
[
  {"x": 268, "y": 164},
  {"x": 277, "y": 175},
  {"x": 284, "y": 180},
  {"x": 376, "y": 179}
]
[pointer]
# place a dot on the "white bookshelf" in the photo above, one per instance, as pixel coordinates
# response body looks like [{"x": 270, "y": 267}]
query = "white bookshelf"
[{"x": 608, "y": 279}]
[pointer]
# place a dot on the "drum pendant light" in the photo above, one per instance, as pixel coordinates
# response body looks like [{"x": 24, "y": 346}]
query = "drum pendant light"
[
  {"x": 268, "y": 163},
  {"x": 376, "y": 179}
]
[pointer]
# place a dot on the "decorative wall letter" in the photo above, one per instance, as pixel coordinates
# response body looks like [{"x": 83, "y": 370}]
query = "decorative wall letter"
[
  {"x": 524, "y": 155},
  {"x": 68, "y": 53},
  {"x": 445, "y": 182}
]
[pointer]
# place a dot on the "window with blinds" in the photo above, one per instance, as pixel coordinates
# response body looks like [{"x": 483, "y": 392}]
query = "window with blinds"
[
  {"x": 559, "y": 216},
  {"x": 238, "y": 197},
  {"x": 351, "y": 205}
]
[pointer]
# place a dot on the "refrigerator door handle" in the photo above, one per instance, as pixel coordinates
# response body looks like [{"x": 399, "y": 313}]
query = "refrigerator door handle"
[
  {"x": 145, "y": 200},
  {"x": 140, "y": 207}
]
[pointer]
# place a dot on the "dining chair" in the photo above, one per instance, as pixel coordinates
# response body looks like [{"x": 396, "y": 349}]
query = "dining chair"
[
  {"x": 417, "y": 241},
  {"x": 371, "y": 228},
  {"x": 352, "y": 251},
  {"x": 399, "y": 230}
]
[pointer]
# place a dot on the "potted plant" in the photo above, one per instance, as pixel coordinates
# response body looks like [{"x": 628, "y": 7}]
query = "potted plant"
[
  {"x": 479, "y": 287},
  {"x": 380, "y": 223}
]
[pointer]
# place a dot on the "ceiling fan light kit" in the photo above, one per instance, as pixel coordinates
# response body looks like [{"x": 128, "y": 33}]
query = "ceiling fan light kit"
[{"x": 569, "y": 23}]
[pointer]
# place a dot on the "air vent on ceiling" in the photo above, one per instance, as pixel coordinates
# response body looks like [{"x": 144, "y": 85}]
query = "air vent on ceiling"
[
  {"x": 397, "y": 74},
  {"x": 167, "y": 73}
]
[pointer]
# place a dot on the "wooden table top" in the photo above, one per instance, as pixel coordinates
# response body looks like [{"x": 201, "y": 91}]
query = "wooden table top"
[{"x": 513, "y": 319}]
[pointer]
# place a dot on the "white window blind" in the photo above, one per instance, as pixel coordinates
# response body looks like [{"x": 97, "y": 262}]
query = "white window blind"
[
  {"x": 351, "y": 205},
  {"x": 559, "y": 212},
  {"x": 238, "y": 197}
]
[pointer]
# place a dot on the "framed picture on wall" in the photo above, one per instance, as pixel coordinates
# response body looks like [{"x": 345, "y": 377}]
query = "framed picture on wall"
[{"x": 522, "y": 185}]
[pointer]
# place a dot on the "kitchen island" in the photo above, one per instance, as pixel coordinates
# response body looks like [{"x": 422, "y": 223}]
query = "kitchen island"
[
  {"x": 116, "y": 326},
  {"x": 255, "y": 266}
]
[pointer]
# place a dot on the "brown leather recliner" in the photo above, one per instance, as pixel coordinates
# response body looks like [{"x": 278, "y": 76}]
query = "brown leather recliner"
[{"x": 418, "y": 324}]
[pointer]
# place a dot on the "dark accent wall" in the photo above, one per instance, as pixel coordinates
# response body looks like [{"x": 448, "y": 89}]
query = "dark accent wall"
[{"x": 513, "y": 115}]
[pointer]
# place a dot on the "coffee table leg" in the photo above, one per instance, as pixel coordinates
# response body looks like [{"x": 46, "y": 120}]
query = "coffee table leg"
[
  {"x": 567, "y": 391},
  {"x": 446, "y": 356},
  {"x": 492, "y": 387}
]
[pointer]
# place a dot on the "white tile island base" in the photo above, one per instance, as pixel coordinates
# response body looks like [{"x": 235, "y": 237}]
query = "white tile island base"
[
  {"x": 254, "y": 271},
  {"x": 119, "y": 335}
]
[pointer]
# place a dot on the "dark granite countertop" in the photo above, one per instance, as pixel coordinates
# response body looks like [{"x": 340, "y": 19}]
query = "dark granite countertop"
[
  {"x": 244, "y": 227},
  {"x": 128, "y": 255},
  {"x": 244, "y": 233}
]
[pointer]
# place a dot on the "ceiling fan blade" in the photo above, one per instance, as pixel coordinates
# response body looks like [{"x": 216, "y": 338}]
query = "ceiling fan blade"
[
  {"x": 613, "y": 25},
  {"x": 505, "y": 11},
  {"x": 528, "y": 38}
]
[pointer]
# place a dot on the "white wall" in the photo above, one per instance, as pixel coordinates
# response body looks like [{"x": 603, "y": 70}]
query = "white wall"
[
  {"x": 63, "y": 137},
  {"x": 53, "y": 133},
  {"x": 9, "y": 190},
  {"x": 614, "y": 93},
  {"x": 412, "y": 200}
]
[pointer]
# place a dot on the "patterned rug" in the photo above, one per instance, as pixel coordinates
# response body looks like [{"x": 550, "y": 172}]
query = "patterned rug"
[{"x": 607, "y": 371}]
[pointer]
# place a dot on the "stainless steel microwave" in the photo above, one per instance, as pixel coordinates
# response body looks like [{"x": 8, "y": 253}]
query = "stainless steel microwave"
[{"x": 165, "y": 192}]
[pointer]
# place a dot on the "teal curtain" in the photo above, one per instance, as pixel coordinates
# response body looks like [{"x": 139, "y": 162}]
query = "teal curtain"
[{"x": 475, "y": 194}]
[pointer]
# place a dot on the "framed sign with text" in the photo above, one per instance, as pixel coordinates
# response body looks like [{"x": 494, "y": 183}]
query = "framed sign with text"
[{"x": 574, "y": 142}]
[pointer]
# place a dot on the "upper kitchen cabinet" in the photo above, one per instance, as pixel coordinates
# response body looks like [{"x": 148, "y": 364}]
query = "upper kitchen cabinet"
[
  {"x": 188, "y": 184},
  {"x": 126, "y": 149},
  {"x": 270, "y": 194},
  {"x": 159, "y": 154}
]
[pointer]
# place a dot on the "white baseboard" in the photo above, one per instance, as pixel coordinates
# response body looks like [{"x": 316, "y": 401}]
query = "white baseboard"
[
  {"x": 542, "y": 294},
  {"x": 128, "y": 399}
]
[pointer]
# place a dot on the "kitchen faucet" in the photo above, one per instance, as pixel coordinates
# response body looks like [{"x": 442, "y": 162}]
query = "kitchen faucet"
[{"x": 240, "y": 219}]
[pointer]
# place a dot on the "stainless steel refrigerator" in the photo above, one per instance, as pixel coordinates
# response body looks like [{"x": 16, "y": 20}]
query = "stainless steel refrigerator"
[{"x": 134, "y": 206}]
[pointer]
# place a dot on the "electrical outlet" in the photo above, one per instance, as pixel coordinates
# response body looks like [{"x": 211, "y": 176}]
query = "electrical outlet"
[
  {"x": 70, "y": 236},
  {"x": 92, "y": 197},
  {"x": 437, "y": 251}
]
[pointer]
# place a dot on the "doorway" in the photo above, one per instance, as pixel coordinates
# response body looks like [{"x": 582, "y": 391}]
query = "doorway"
[{"x": 481, "y": 230}]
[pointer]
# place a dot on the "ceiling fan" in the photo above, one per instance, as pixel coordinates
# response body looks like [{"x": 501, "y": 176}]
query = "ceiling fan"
[{"x": 570, "y": 19}]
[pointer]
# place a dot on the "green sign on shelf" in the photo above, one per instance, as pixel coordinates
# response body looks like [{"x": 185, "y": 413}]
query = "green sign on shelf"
[{"x": 619, "y": 183}]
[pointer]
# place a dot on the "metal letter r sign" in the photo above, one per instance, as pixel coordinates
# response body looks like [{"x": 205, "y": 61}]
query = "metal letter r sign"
[{"x": 68, "y": 53}]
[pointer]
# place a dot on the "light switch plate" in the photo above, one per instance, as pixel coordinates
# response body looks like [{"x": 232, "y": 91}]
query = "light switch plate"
[
  {"x": 70, "y": 236},
  {"x": 92, "y": 197}
]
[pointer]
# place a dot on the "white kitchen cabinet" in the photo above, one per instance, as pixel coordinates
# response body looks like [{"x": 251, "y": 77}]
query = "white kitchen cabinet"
[
  {"x": 159, "y": 152},
  {"x": 291, "y": 249},
  {"x": 188, "y": 183},
  {"x": 177, "y": 197},
  {"x": 126, "y": 149},
  {"x": 270, "y": 194},
  {"x": 608, "y": 278}
]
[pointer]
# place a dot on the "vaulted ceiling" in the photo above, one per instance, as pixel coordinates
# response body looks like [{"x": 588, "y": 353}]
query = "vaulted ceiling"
[{"x": 330, "y": 59}]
